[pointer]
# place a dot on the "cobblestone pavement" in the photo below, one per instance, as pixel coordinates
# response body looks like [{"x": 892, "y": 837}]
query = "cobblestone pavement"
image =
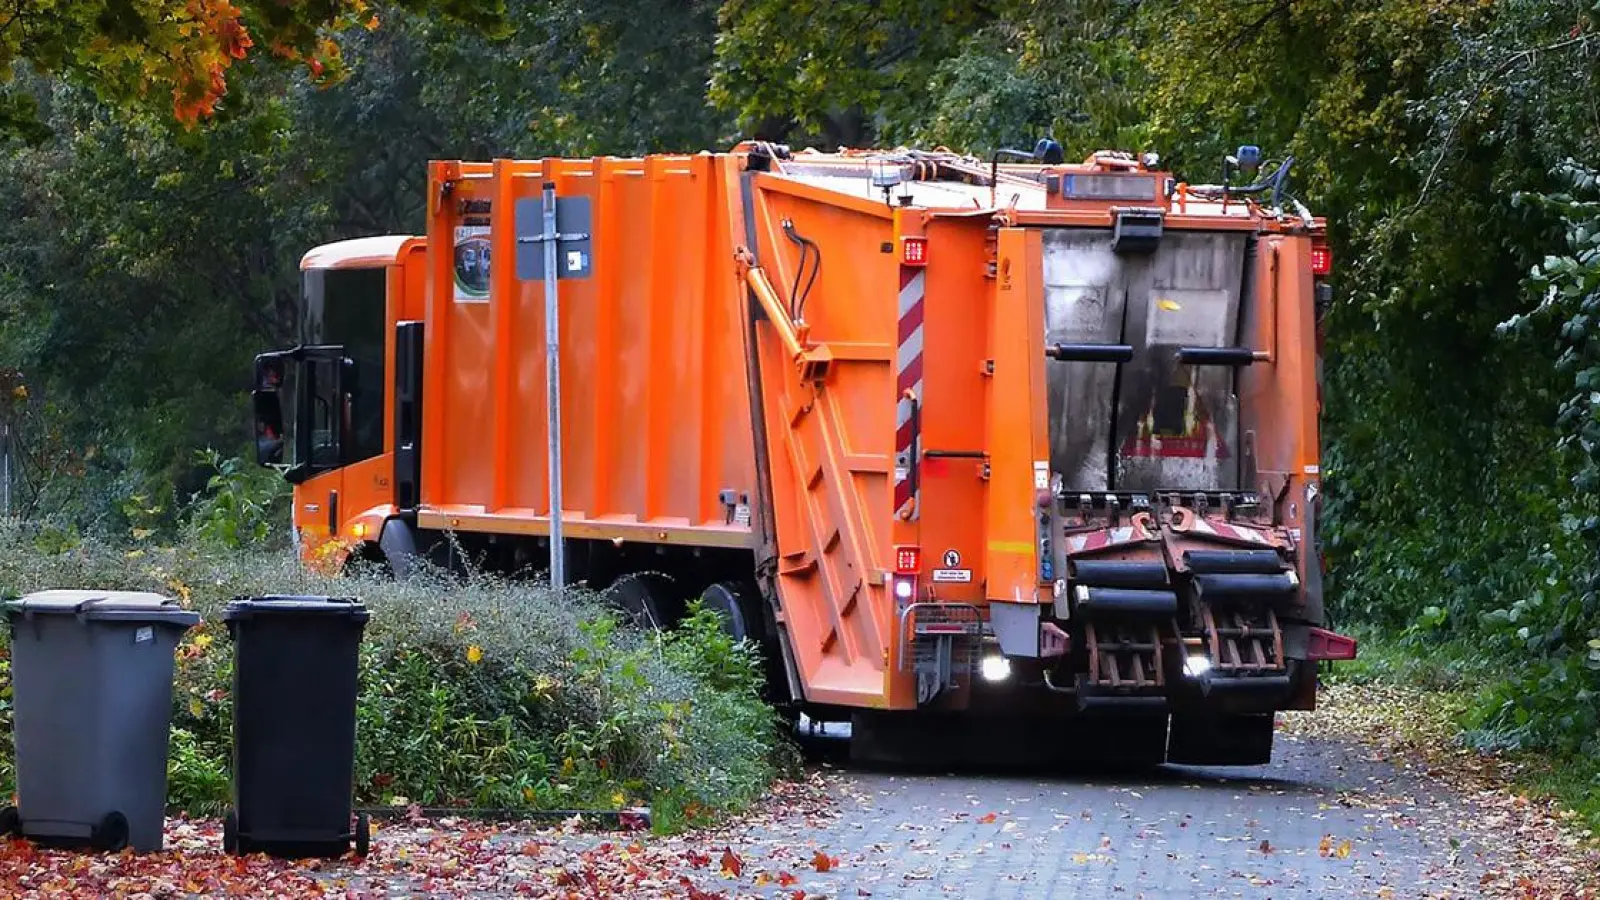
[
  {"x": 1325, "y": 819},
  {"x": 1320, "y": 821}
]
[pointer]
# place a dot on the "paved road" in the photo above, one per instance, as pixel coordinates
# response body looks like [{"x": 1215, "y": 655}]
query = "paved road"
[
  {"x": 1323, "y": 820},
  {"x": 1277, "y": 831}
]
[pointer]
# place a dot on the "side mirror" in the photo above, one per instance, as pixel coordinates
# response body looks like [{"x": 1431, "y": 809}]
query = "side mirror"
[
  {"x": 268, "y": 408},
  {"x": 269, "y": 426}
]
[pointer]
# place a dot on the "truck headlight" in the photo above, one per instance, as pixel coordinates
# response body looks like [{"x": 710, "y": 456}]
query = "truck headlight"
[{"x": 995, "y": 667}]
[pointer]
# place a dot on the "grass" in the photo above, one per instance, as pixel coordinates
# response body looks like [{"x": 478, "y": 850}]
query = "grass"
[{"x": 481, "y": 694}]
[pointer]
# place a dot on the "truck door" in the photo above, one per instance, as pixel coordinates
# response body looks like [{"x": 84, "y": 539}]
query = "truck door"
[{"x": 323, "y": 412}]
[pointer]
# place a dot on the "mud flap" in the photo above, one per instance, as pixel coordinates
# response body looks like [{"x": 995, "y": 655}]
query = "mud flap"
[{"x": 1220, "y": 740}]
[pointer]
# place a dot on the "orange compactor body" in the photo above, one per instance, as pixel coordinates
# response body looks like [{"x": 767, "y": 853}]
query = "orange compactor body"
[{"x": 946, "y": 438}]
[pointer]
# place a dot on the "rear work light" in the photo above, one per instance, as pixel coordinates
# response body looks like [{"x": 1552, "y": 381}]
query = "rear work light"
[
  {"x": 1321, "y": 260},
  {"x": 914, "y": 251},
  {"x": 907, "y": 560}
]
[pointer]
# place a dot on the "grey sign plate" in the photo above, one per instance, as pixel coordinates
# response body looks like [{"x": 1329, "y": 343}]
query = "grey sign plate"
[{"x": 574, "y": 255}]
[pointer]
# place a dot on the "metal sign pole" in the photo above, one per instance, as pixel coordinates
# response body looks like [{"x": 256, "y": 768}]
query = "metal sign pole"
[
  {"x": 560, "y": 255},
  {"x": 552, "y": 344}
]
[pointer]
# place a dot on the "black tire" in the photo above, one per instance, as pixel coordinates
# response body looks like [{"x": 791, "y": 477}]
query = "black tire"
[
  {"x": 727, "y": 600},
  {"x": 647, "y": 600},
  {"x": 363, "y": 835},
  {"x": 230, "y": 833},
  {"x": 111, "y": 835},
  {"x": 10, "y": 823},
  {"x": 398, "y": 544}
]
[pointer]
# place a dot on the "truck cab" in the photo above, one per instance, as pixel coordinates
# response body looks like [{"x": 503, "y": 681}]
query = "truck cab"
[{"x": 324, "y": 409}]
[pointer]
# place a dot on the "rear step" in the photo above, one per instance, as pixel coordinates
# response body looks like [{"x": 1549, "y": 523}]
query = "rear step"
[{"x": 1123, "y": 605}]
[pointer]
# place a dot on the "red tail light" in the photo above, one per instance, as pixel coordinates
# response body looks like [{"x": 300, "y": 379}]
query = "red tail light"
[
  {"x": 914, "y": 251},
  {"x": 907, "y": 560},
  {"x": 1321, "y": 260}
]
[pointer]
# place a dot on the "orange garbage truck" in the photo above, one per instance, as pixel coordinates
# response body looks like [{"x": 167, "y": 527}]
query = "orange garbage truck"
[{"x": 971, "y": 448}]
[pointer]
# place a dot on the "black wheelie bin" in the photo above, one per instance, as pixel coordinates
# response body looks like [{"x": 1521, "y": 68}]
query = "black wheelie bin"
[{"x": 294, "y": 727}]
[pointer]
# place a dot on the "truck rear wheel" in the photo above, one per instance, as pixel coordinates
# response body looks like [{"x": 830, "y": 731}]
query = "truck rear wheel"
[
  {"x": 647, "y": 600},
  {"x": 728, "y": 601}
]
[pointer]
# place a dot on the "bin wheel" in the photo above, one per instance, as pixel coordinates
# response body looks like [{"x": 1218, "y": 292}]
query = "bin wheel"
[
  {"x": 10, "y": 823},
  {"x": 363, "y": 835},
  {"x": 230, "y": 832},
  {"x": 111, "y": 835}
]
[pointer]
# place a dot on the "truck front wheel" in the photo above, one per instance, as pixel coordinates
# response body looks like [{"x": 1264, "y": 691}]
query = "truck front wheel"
[{"x": 399, "y": 545}]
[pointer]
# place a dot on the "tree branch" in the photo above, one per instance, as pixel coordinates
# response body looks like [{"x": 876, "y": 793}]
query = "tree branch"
[{"x": 1482, "y": 89}]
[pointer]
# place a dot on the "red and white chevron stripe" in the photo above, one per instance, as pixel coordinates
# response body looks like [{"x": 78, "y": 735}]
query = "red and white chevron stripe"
[
  {"x": 908, "y": 369},
  {"x": 1102, "y": 538},
  {"x": 1226, "y": 532}
]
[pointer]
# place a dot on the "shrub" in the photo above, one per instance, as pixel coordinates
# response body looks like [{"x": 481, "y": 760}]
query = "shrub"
[{"x": 477, "y": 693}]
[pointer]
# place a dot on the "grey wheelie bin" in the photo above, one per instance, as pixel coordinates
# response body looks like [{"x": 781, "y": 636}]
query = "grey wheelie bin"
[
  {"x": 92, "y": 679},
  {"x": 294, "y": 726}
]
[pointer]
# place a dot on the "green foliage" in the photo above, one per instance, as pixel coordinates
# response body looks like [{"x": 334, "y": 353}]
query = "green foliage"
[
  {"x": 143, "y": 266},
  {"x": 184, "y": 49},
  {"x": 1556, "y": 701},
  {"x": 480, "y": 694},
  {"x": 242, "y": 506}
]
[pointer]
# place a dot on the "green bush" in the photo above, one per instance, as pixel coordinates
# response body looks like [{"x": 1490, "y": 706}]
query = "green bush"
[{"x": 478, "y": 693}]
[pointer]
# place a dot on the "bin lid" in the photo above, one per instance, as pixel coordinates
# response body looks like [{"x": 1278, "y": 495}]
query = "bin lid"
[
  {"x": 123, "y": 606},
  {"x": 295, "y": 605}
]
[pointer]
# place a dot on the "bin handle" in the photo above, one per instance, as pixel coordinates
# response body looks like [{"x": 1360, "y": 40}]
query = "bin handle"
[{"x": 82, "y": 608}]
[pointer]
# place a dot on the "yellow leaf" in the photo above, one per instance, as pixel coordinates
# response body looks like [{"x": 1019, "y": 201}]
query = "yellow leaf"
[
  {"x": 1344, "y": 849},
  {"x": 203, "y": 640},
  {"x": 135, "y": 554},
  {"x": 618, "y": 799},
  {"x": 140, "y": 534},
  {"x": 196, "y": 708},
  {"x": 568, "y": 766},
  {"x": 1325, "y": 846},
  {"x": 474, "y": 654}
]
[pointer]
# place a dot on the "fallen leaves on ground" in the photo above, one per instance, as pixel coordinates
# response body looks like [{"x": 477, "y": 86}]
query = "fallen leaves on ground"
[
  {"x": 1539, "y": 848},
  {"x": 448, "y": 857},
  {"x": 182, "y": 870}
]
